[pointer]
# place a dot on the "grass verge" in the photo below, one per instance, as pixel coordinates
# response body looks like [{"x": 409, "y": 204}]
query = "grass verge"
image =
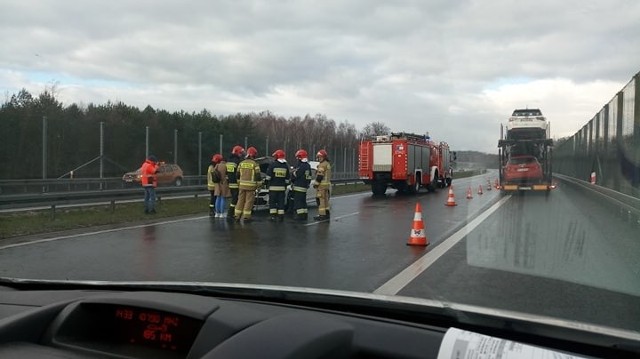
[{"x": 45, "y": 221}]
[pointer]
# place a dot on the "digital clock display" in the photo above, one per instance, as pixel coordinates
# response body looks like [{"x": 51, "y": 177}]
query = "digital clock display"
[
  {"x": 153, "y": 328},
  {"x": 127, "y": 329}
]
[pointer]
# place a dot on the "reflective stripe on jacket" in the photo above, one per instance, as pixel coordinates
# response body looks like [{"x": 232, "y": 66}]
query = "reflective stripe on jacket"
[
  {"x": 278, "y": 176},
  {"x": 301, "y": 177},
  {"x": 210, "y": 185},
  {"x": 324, "y": 170},
  {"x": 232, "y": 166},
  {"x": 248, "y": 174}
]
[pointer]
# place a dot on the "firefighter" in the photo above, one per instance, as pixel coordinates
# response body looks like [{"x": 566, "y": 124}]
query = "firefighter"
[
  {"x": 211, "y": 186},
  {"x": 301, "y": 178},
  {"x": 322, "y": 184},
  {"x": 232, "y": 166},
  {"x": 278, "y": 175},
  {"x": 248, "y": 175},
  {"x": 149, "y": 182}
]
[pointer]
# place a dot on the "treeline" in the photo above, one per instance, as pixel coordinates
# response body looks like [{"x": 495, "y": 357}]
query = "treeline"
[
  {"x": 477, "y": 159},
  {"x": 73, "y": 136}
]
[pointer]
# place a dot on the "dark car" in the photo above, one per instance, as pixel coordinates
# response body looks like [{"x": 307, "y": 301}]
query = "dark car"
[
  {"x": 522, "y": 168},
  {"x": 168, "y": 174}
]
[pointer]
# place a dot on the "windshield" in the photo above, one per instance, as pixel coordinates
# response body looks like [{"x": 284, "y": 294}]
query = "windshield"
[
  {"x": 531, "y": 112},
  {"x": 357, "y": 145},
  {"x": 520, "y": 160}
]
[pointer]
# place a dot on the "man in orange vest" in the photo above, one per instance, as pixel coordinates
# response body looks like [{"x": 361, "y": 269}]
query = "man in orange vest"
[{"x": 149, "y": 182}]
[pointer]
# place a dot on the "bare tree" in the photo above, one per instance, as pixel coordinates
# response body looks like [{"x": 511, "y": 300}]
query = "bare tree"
[{"x": 375, "y": 129}]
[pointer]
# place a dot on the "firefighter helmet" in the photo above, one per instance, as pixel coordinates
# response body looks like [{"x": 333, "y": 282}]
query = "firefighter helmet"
[
  {"x": 216, "y": 158},
  {"x": 237, "y": 150},
  {"x": 323, "y": 154},
  {"x": 300, "y": 154},
  {"x": 278, "y": 154},
  {"x": 252, "y": 152}
]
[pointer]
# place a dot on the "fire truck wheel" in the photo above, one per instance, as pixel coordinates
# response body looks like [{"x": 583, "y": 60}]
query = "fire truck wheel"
[{"x": 378, "y": 189}]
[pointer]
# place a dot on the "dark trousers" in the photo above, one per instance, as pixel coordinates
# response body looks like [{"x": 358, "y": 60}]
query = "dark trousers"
[
  {"x": 300, "y": 203},
  {"x": 233, "y": 201},
  {"x": 276, "y": 202}
]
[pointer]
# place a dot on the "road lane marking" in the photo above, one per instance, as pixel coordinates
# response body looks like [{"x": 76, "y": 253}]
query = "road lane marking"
[
  {"x": 98, "y": 232},
  {"x": 402, "y": 279},
  {"x": 332, "y": 218}
]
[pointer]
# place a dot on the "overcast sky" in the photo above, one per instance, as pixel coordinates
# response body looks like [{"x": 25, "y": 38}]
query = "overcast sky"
[{"x": 456, "y": 69}]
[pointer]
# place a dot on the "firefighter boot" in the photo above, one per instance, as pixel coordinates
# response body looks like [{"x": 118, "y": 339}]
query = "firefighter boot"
[
  {"x": 321, "y": 217},
  {"x": 212, "y": 211},
  {"x": 328, "y": 215},
  {"x": 281, "y": 218},
  {"x": 272, "y": 218}
]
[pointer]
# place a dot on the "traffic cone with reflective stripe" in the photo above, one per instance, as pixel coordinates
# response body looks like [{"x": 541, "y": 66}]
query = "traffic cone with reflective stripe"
[
  {"x": 469, "y": 195},
  {"x": 488, "y": 185},
  {"x": 480, "y": 189},
  {"x": 418, "y": 236},
  {"x": 497, "y": 184},
  {"x": 451, "y": 201}
]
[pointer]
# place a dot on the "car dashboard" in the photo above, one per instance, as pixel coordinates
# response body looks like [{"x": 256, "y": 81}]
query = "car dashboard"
[{"x": 87, "y": 322}]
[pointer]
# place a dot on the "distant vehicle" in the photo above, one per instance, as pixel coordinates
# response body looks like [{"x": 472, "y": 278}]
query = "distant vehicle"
[
  {"x": 404, "y": 161},
  {"x": 168, "y": 174},
  {"x": 527, "y": 124},
  {"x": 525, "y": 164},
  {"x": 522, "y": 169}
]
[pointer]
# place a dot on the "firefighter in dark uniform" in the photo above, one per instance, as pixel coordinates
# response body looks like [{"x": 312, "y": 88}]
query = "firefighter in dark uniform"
[
  {"x": 232, "y": 166},
  {"x": 278, "y": 175},
  {"x": 322, "y": 184},
  {"x": 301, "y": 178},
  {"x": 248, "y": 175}
]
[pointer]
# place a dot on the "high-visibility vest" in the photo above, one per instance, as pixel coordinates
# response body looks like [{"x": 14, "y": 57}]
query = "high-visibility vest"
[{"x": 148, "y": 174}]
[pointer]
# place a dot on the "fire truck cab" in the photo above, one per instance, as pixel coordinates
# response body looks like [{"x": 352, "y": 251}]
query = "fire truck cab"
[{"x": 404, "y": 161}]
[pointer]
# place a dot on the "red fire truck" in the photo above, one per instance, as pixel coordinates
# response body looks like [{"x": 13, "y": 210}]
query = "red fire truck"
[{"x": 404, "y": 161}]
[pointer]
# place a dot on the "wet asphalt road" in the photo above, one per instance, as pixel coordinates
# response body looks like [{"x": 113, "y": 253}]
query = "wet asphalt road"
[{"x": 561, "y": 255}]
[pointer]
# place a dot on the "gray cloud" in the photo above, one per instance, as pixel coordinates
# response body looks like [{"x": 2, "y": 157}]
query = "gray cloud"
[{"x": 415, "y": 65}]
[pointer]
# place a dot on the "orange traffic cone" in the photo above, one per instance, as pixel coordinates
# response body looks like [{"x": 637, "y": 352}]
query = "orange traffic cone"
[
  {"x": 418, "y": 237},
  {"x": 480, "y": 189},
  {"x": 469, "y": 196},
  {"x": 497, "y": 184},
  {"x": 451, "y": 201}
]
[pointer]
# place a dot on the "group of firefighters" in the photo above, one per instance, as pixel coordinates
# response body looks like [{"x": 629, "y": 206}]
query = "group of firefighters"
[{"x": 239, "y": 177}]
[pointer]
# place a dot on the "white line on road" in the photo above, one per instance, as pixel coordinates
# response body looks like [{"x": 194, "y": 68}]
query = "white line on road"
[
  {"x": 402, "y": 279},
  {"x": 332, "y": 218},
  {"x": 97, "y": 232}
]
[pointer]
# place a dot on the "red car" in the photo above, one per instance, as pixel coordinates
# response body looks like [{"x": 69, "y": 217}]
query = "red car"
[{"x": 522, "y": 169}]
